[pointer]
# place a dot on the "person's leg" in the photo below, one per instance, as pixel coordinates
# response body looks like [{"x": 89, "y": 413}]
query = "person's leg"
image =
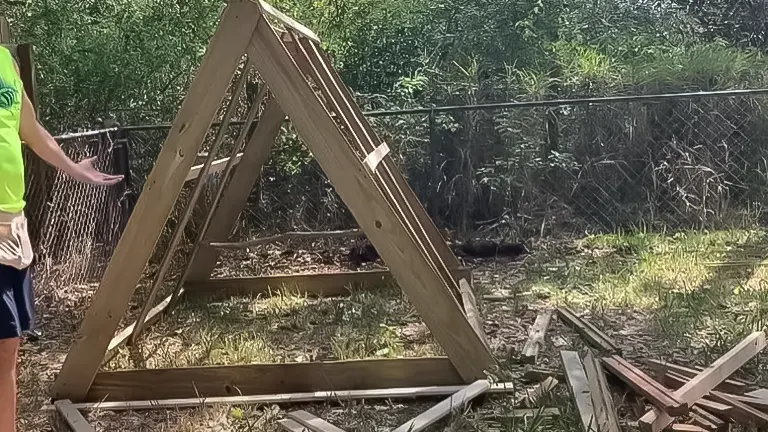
[
  {"x": 16, "y": 316},
  {"x": 9, "y": 350}
]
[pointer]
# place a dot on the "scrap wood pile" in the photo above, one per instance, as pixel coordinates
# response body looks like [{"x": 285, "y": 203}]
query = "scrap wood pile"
[{"x": 681, "y": 398}]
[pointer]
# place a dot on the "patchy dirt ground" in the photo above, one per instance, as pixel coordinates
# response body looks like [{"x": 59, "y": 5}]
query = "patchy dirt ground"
[{"x": 685, "y": 297}]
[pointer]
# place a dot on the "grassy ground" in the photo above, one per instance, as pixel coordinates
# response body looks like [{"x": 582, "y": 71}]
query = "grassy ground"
[{"x": 687, "y": 297}]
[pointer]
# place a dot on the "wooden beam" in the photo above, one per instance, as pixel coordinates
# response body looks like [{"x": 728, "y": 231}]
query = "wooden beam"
[
  {"x": 73, "y": 418},
  {"x": 588, "y": 331},
  {"x": 457, "y": 401},
  {"x": 306, "y": 235},
  {"x": 741, "y": 412},
  {"x": 646, "y": 386},
  {"x": 241, "y": 183},
  {"x": 216, "y": 166},
  {"x": 675, "y": 381},
  {"x": 124, "y": 335},
  {"x": 706, "y": 420},
  {"x": 288, "y": 21},
  {"x": 705, "y": 381},
  {"x": 579, "y": 386},
  {"x": 602, "y": 399},
  {"x": 5, "y": 31},
  {"x": 424, "y": 284},
  {"x": 287, "y": 398},
  {"x": 314, "y": 285},
  {"x": 536, "y": 337},
  {"x": 261, "y": 379},
  {"x": 729, "y": 385},
  {"x": 156, "y": 201},
  {"x": 680, "y": 427},
  {"x": 312, "y": 422},
  {"x": 470, "y": 308},
  {"x": 291, "y": 425}
]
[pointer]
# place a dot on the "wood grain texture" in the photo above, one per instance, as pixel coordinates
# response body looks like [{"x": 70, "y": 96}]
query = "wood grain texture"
[
  {"x": 588, "y": 331},
  {"x": 536, "y": 337},
  {"x": 261, "y": 379},
  {"x": 312, "y": 422},
  {"x": 156, "y": 200},
  {"x": 646, "y": 386},
  {"x": 424, "y": 285},
  {"x": 72, "y": 417},
  {"x": 709, "y": 378},
  {"x": 602, "y": 399},
  {"x": 319, "y": 284},
  {"x": 578, "y": 384},
  {"x": 457, "y": 401}
]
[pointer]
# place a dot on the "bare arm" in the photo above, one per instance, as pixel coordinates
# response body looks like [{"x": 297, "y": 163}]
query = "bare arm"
[{"x": 43, "y": 144}]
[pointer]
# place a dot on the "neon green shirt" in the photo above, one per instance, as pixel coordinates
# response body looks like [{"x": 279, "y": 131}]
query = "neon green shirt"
[{"x": 11, "y": 160}]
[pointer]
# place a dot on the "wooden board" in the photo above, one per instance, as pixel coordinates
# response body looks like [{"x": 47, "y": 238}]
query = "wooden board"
[
  {"x": 704, "y": 382},
  {"x": 741, "y": 412},
  {"x": 729, "y": 385},
  {"x": 470, "y": 308},
  {"x": 646, "y": 386},
  {"x": 291, "y": 426},
  {"x": 675, "y": 381},
  {"x": 156, "y": 201},
  {"x": 588, "y": 331},
  {"x": 124, "y": 335},
  {"x": 706, "y": 420},
  {"x": 457, "y": 401},
  {"x": 73, "y": 418},
  {"x": 602, "y": 400},
  {"x": 536, "y": 337},
  {"x": 216, "y": 166},
  {"x": 288, "y": 398},
  {"x": 680, "y": 427},
  {"x": 255, "y": 379},
  {"x": 312, "y": 422},
  {"x": 424, "y": 284},
  {"x": 579, "y": 386},
  {"x": 318, "y": 284}
]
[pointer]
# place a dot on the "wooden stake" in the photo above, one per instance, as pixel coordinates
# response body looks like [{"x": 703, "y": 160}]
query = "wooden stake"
[{"x": 536, "y": 337}]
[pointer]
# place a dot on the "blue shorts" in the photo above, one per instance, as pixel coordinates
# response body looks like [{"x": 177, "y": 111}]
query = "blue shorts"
[{"x": 17, "y": 310}]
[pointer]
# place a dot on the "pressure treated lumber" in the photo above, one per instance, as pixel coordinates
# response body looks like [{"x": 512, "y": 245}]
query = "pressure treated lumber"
[
  {"x": 588, "y": 331},
  {"x": 577, "y": 381},
  {"x": 262, "y": 379},
  {"x": 646, "y": 386},
  {"x": 729, "y": 385},
  {"x": 312, "y": 422},
  {"x": 457, "y": 401},
  {"x": 156, "y": 201},
  {"x": 602, "y": 400},
  {"x": 426, "y": 288},
  {"x": 536, "y": 337},
  {"x": 241, "y": 183},
  {"x": 314, "y": 285},
  {"x": 71, "y": 416},
  {"x": 287, "y": 398},
  {"x": 704, "y": 382}
]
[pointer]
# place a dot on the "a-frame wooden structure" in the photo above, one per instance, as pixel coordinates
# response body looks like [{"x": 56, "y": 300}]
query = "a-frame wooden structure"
[{"x": 299, "y": 83}]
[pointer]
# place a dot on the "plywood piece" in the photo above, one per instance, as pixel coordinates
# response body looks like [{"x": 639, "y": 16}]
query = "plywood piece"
[
  {"x": 255, "y": 379},
  {"x": 156, "y": 201},
  {"x": 588, "y": 331},
  {"x": 314, "y": 285},
  {"x": 602, "y": 400},
  {"x": 72, "y": 416},
  {"x": 709, "y": 378},
  {"x": 312, "y": 422},
  {"x": 579, "y": 386},
  {"x": 424, "y": 284},
  {"x": 646, "y": 386},
  {"x": 288, "y": 398},
  {"x": 457, "y": 401},
  {"x": 536, "y": 337}
]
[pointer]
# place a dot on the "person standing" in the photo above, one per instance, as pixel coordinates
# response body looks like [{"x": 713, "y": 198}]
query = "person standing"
[{"x": 18, "y": 122}]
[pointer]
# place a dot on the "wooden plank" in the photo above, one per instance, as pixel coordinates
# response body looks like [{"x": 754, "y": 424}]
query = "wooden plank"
[
  {"x": 680, "y": 427},
  {"x": 216, "y": 166},
  {"x": 706, "y": 420},
  {"x": 287, "y": 398},
  {"x": 758, "y": 403},
  {"x": 588, "y": 331},
  {"x": 291, "y": 426},
  {"x": 675, "y": 381},
  {"x": 602, "y": 400},
  {"x": 579, "y": 386},
  {"x": 519, "y": 413},
  {"x": 5, "y": 31},
  {"x": 124, "y": 335},
  {"x": 72, "y": 416},
  {"x": 288, "y": 21},
  {"x": 242, "y": 182},
  {"x": 741, "y": 412},
  {"x": 261, "y": 379},
  {"x": 728, "y": 386},
  {"x": 470, "y": 307},
  {"x": 156, "y": 201},
  {"x": 423, "y": 284},
  {"x": 296, "y": 235},
  {"x": 312, "y": 422},
  {"x": 704, "y": 382},
  {"x": 646, "y": 386},
  {"x": 457, "y": 401},
  {"x": 760, "y": 393},
  {"x": 536, "y": 337},
  {"x": 315, "y": 285}
]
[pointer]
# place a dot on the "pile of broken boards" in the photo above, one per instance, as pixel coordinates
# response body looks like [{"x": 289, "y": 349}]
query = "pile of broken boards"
[{"x": 683, "y": 399}]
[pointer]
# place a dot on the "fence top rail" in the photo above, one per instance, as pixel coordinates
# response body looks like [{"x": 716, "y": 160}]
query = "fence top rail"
[
  {"x": 84, "y": 134},
  {"x": 514, "y": 104}
]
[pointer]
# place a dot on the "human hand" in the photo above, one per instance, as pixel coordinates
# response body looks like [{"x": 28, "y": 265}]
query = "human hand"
[{"x": 86, "y": 173}]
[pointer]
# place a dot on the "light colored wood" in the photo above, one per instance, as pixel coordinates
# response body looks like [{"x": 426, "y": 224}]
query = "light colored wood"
[
  {"x": 470, "y": 307},
  {"x": 312, "y": 422},
  {"x": 291, "y": 426},
  {"x": 680, "y": 427},
  {"x": 5, "y": 31},
  {"x": 288, "y": 21},
  {"x": 729, "y": 385},
  {"x": 602, "y": 401},
  {"x": 156, "y": 201},
  {"x": 287, "y": 398},
  {"x": 656, "y": 420},
  {"x": 579, "y": 386},
  {"x": 242, "y": 181},
  {"x": 122, "y": 337},
  {"x": 741, "y": 412},
  {"x": 216, "y": 166},
  {"x": 536, "y": 337},
  {"x": 706, "y": 420},
  {"x": 457, "y": 401},
  {"x": 675, "y": 381},
  {"x": 72, "y": 416},
  {"x": 421, "y": 281},
  {"x": 311, "y": 235},
  {"x": 588, "y": 331},
  {"x": 760, "y": 393},
  {"x": 271, "y": 378},
  {"x": 314, "y": 284}
]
